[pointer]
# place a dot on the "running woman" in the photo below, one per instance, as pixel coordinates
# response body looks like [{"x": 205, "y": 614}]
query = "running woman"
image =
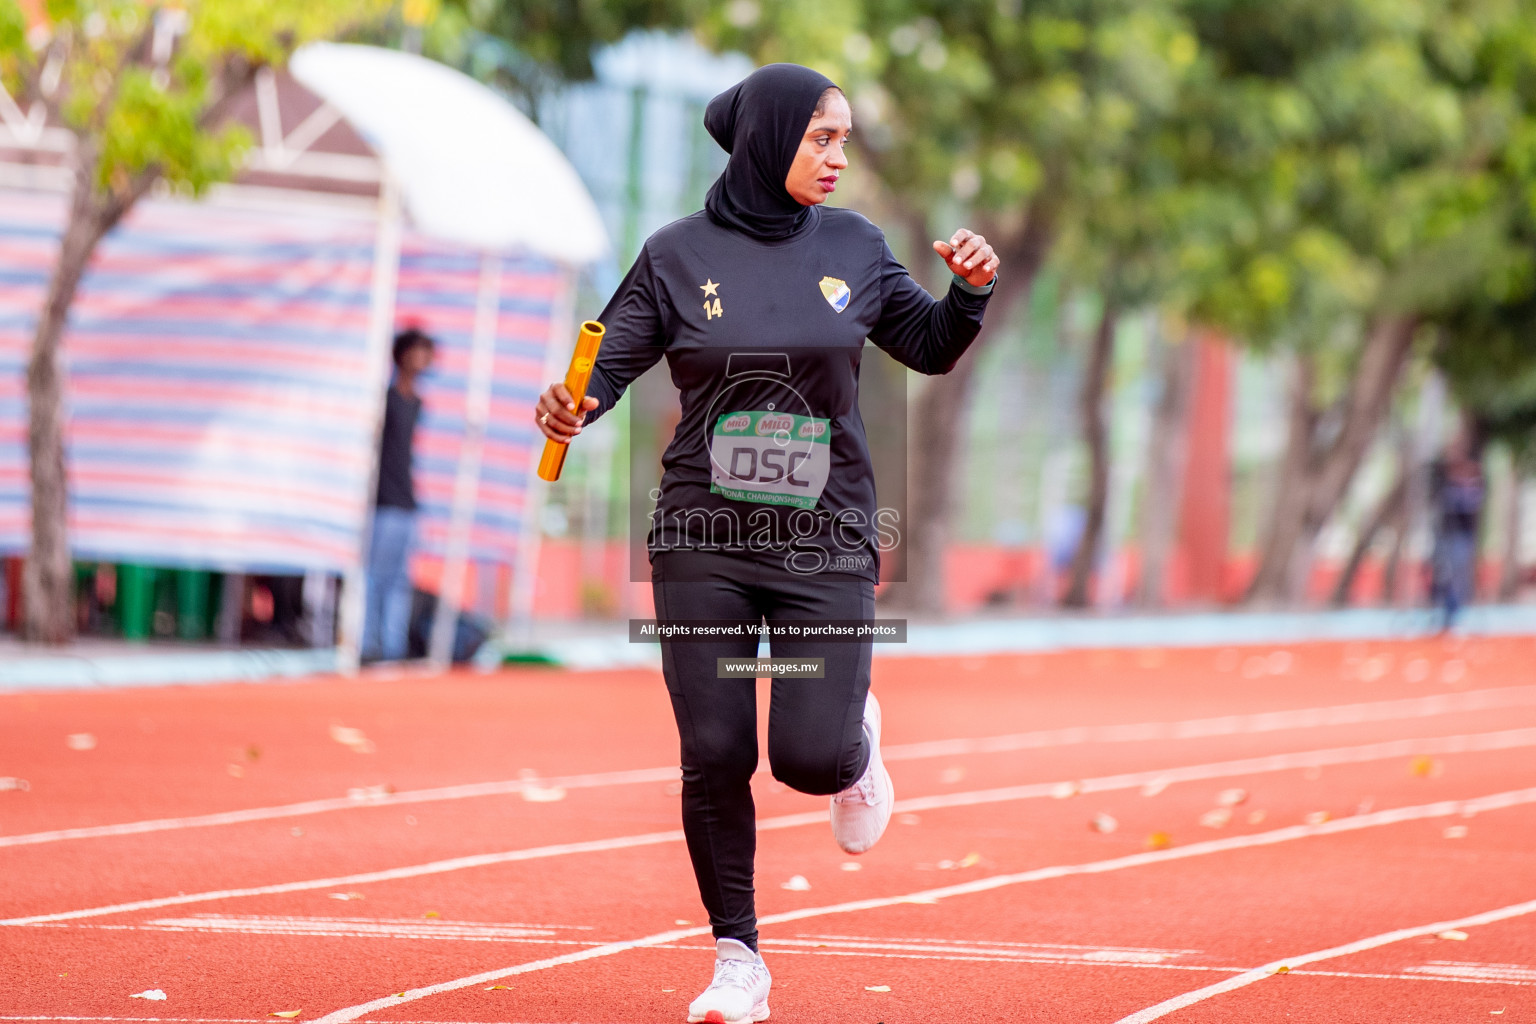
[{"x": 761, "y": 305}]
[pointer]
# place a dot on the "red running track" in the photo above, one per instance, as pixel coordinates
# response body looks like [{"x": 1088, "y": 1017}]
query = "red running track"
[{"x": 506, "y": 848}]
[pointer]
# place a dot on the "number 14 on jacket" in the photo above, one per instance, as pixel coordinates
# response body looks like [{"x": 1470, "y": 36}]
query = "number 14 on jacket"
[{"x": 712, "y": 307}]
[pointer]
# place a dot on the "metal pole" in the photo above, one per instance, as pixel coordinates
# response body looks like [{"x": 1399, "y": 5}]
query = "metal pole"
[
  {"x": 562, "y": 316},
  {"x": 381, "y": 319},
  {"x": 466, "y": 484}
]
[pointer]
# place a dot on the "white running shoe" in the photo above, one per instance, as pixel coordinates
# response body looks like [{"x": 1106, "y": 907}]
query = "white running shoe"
[
  {"x": 739, "y": 992},
  {"x": 861, "y": 812}
]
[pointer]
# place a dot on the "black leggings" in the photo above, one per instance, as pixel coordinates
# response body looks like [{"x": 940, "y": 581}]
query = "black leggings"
[{"x": 815, "y": 737}]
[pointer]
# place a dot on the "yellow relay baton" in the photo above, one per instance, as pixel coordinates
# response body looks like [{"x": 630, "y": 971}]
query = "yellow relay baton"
[{"x": 576, "y": 379}]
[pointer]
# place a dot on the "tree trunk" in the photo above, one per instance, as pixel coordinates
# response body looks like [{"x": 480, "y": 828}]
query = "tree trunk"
[
  {"x": 1388, "y": 510},
  {"x": 938, "y": 418},
  {"x": 1315, "y": 473},
  {"x": 1095, "y": 423},
  {"x": 48, "y": 580},
  {"x": 1167, "y": 457},
  {"x": 1289, "y": 505}
]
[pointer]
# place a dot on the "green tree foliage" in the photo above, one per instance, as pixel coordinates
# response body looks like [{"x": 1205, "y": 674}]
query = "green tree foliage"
[
  {"x": 1347, "y": 183},
  {"x": 145, "y": 89}
]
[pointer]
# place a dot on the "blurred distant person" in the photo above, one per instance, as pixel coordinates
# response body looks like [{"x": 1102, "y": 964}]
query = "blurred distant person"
[
  {"x": 386, "y": 621},
  {"x": 1459, "y": 493}
]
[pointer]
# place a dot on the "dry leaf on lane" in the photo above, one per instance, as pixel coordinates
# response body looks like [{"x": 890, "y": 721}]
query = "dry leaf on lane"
[
  {"x": 877, "y": 988},
  {"x": 154, "y": 994},
  {"x": 1423, "y": 767},
  {"x": 1218, "y": 817},
  {"x": 287, "y": 1014},
  {"x": 353, "y": 738}
]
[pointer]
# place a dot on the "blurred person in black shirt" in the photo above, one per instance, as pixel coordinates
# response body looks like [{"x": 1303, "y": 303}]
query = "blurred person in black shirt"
[
  {"x": 387, "y": 618},
  {"x": 1459, "y": 493}
]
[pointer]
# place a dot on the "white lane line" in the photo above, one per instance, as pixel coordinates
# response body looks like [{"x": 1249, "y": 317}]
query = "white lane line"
[
  {"x": 1247, "y": 978},
  {"x": 1470, "y": 978},
  {"x": 357, "y": 928},
  {"x": 1508, "y": 739},
  {"x": 1394, "y": 816},
  {"x": 1189, "y": 729},
  {"x": 1482, "y": 972},
  {"x": 326, "y": 806},
  {"x": 1479, "y": 742}
]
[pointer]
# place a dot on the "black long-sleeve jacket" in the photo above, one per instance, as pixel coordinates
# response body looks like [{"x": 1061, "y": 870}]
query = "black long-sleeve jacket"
[{"x": 763, "y": 341}]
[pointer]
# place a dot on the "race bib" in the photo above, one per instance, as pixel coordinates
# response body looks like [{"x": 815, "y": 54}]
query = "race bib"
[{"x": 772, "y": 458}]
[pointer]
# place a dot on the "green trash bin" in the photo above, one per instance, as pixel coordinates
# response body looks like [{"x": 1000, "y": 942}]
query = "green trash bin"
[
  {"x": 193, "y": 604},
  {"x": 136, "y": 600}
]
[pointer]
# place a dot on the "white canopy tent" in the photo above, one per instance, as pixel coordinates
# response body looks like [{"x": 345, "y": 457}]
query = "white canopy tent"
[{"x": 470, "y": 169}]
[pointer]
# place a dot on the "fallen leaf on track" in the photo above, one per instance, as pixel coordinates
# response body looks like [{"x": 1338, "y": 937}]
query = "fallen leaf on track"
[
  {"x": 354, "y": 738},
  {"x": 80, "y": 741},
  {"x": 1424, "y": 768},
  {"x": 970, "y": 860},
  {"x": 1104, "y": 823},
  {"x": 347, "y": 896},
  {"x": 1317, "y": 817},
  {"x": 1455, "y": 832},
  {"x": 1282, "y": 969},
  {"x": 1453, "y": 935},
  {"x": 851, "y": 865},
  {"x": 431, "y": 913},
  {"x": 1256, "y": 817},
  {"x": 877, "y": 988},
  {"x": 149, "y": 993},
  {"x": 493, "y": 988},
  {"x": 1158, "y": 841},
  {"x": 1219, "y": 817},
  {"x": 798, "y": 883},
  {"x": 535, "y": 792},
  {"x": 289, "y": 1014},
  {"x": 1231, "y": 797},
  {"x": 1063, "y": 790}
]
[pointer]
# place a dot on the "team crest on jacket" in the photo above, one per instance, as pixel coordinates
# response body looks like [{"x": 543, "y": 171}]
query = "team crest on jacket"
[{"x": 836, "y": 293}]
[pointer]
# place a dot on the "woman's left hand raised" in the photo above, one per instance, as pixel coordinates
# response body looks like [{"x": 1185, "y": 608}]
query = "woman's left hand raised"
[{"x": 970, "y": 257}]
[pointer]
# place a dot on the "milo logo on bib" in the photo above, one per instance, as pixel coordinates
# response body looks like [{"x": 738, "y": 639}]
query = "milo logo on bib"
[{"x": 769, "y": 457}]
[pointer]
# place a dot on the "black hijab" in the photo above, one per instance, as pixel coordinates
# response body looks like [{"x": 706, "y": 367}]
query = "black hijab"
[{"x": 760, "y": 122}]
